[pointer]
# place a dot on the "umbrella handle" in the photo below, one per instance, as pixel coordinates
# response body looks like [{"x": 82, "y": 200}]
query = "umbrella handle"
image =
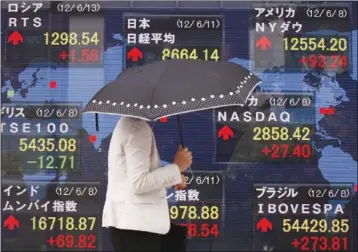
[
  {"x": 180, "y": 128},
  {"x": 97, "y": 123}
]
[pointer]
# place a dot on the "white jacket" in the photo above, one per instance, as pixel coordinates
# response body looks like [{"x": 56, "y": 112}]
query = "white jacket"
[{"x": 136, "y": 193}]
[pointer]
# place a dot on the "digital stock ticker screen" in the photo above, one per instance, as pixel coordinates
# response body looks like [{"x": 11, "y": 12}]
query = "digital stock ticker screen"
[{"x": 278, "y": 173}]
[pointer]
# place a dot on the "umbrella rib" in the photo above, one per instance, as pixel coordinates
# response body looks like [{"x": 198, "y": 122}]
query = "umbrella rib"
[
  {"x": 152, "y": 102},
  {"x": 239, "y": 95},
  {"x": 154, "y": 89},
  {"x": 222, "y": 82}
]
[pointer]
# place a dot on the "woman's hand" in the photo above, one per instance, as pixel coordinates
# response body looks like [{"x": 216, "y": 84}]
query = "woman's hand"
[
  {"x": 182, "y": 185},
  {"x": 183, "y": 158}
]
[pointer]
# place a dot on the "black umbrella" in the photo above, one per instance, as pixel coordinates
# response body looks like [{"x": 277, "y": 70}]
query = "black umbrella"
[{"x": 173, "y": 87}]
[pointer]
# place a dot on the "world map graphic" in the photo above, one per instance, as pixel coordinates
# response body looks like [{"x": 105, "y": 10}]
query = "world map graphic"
[
  {"x": 338, "y": 153},
  {"x": 35, "y": 79}
]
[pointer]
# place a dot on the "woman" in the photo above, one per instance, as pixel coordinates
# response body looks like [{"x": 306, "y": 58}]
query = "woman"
[{"x": 136, "y": 207}]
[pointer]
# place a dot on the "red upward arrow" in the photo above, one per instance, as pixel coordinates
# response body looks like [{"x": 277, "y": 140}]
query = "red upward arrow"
[
  {"x": 14, "y": 38},
  {"x": 225, "y": 133},
  {"x": 11, "y": 222},
  {"x": 164, "y": 119},
  {"x": 134, "y": 54},
  {"x": 263, "y": 43},
  {"x": 264, "y": 224}
]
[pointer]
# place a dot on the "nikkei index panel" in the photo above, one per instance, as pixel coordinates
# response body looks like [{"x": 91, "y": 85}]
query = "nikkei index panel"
[{"x": 162, "y": 37}]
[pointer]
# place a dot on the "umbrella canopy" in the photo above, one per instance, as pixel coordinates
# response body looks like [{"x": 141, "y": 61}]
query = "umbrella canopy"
[{"x": 173, "y": 87}]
